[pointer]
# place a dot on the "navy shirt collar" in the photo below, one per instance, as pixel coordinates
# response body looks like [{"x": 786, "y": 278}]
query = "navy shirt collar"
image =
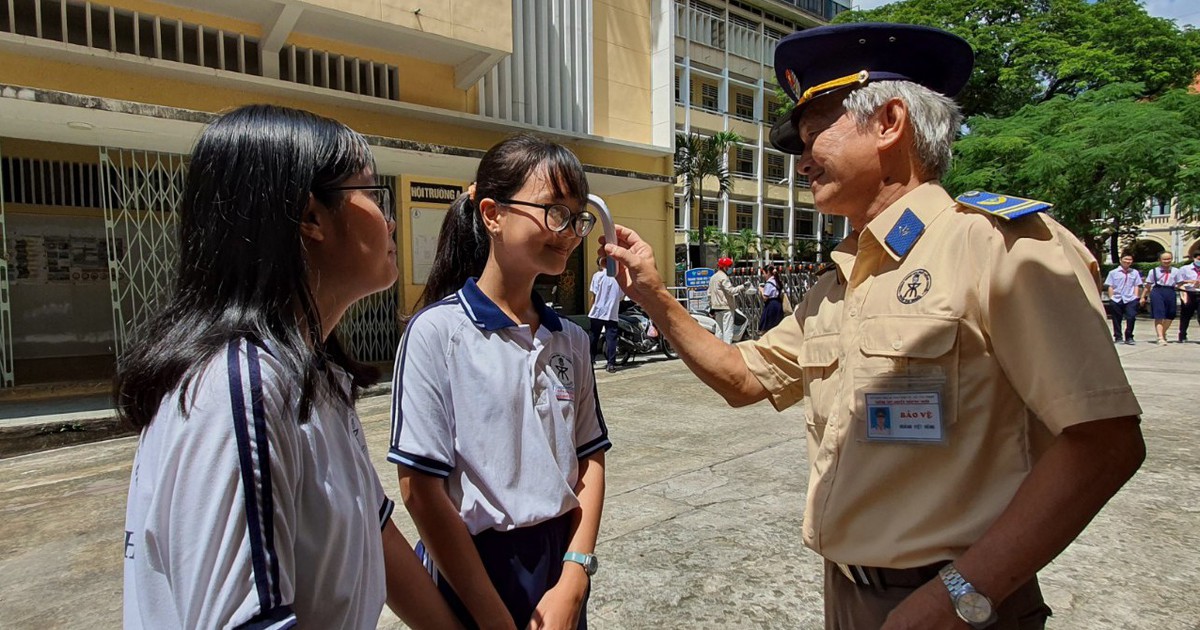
[{"x": 487, "y": 316}]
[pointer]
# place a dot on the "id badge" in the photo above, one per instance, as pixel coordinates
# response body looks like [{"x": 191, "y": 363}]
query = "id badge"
[{"x": 902, "y": 408}]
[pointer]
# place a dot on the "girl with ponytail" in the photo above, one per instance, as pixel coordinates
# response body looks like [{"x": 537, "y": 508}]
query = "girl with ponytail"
[{"x": 496, "y": 427}]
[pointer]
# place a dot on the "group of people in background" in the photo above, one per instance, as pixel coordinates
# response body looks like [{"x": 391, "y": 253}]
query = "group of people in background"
[{"x": 1169, "y": 291}]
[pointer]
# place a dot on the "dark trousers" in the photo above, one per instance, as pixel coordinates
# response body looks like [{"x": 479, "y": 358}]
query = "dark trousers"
[
  {"x": 1123, "y": 311},
  {"x": 610, "y": 338},
  {"x": 852, "y": 607},
  {"x": 523, "y": 564},
  {"x": 1189, "y": 310}
]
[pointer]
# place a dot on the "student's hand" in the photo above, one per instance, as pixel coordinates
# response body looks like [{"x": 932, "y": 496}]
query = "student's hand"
[
  {"x": 559, "y": 607},
  {"x": 637, "y": 275}
]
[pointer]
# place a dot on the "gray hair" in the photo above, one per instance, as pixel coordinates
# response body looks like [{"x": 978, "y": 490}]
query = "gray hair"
[{"x": 935, "y": 118}]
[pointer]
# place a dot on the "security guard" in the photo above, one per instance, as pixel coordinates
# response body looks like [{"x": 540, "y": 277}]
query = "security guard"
[{"x": 973, "y": 325}]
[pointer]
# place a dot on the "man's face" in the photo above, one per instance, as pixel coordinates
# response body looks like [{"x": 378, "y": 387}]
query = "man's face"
[
  {"x": 1126, "y": 262},
  {"x": 840, "y": 160}
]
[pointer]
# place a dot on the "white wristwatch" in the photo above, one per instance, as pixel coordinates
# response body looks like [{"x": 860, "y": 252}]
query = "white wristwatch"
[{"x": 970, "y": 605}]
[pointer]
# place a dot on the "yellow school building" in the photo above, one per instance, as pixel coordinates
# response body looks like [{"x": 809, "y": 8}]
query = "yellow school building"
[{"x": 100, "y": 103}]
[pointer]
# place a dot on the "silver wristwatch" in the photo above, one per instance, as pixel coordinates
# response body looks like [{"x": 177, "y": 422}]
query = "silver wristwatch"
[{"x": 971, "y": 606}]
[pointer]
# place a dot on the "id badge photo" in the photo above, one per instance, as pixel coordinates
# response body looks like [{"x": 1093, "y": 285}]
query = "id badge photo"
[{"x": 901, "y": 408}]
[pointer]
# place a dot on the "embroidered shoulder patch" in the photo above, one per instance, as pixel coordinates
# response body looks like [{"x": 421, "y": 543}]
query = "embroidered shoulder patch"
[{"x": 1004, "y": 206}]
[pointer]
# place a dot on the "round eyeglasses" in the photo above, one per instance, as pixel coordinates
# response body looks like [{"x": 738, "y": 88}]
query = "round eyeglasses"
[
  {"x": 559, "y": 217},
  {"x": 381, "y": 194}
]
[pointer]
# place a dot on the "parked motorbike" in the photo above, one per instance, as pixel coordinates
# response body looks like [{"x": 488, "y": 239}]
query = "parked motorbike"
[
  {"x": 740, "y": 324},
  {"x": 636, "y": 334}
]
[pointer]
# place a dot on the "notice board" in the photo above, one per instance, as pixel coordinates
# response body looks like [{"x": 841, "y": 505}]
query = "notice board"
[{"x": 426, "y": 223}]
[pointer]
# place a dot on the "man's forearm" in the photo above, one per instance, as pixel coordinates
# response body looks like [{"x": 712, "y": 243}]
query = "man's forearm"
[
  {"x": 1068, "y": 486},
  {"x": 718, "y": 364}
]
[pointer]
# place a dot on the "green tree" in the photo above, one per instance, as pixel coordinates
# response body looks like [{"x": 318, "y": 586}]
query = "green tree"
[
  {"x": 1099, "y": 158},
  {"x": 698, "y": 158},
  {"x": 1030, "y": 51}
]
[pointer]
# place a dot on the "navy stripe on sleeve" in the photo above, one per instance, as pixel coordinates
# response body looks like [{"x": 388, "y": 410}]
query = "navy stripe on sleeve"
[
  {"x": 264, "y": 446},
  {"x": 385, "y": 511},
  {"x": 599, "y": 413},
  {"x": 599, "y": 444},
  {"x": 254, "y": 458},
  {"x": 418, "y": 463},
  {"x": 276, "y": 619}
]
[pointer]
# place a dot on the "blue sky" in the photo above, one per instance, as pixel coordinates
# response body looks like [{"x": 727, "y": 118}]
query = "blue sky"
[{"x": 1182, "y": 11}]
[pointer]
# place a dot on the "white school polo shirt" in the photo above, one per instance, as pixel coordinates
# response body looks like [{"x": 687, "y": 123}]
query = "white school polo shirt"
[
  {"x": 240, "y": 517},
  {"x": 1124, "y": 284},
  {"x": 503, "y": 415},
  {"x": 608, "y": 297}
]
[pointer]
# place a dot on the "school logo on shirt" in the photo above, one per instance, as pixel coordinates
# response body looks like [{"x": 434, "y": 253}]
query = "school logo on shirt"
[
  {"x": 914, "y": 286},
  {"x": 562, "y": 369}
]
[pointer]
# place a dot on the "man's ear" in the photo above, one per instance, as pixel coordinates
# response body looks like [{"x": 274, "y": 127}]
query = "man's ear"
[
  {"x": 313, "y": 220},
  {"x": 892, "y": 121}
]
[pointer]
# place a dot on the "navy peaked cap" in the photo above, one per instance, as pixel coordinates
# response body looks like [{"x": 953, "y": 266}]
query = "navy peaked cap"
[{"x": 827, "y": 59}]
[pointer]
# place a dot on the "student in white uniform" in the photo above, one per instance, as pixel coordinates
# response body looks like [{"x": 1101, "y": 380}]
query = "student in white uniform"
[
  {"x": 253, "y": 503},
  {"x": 604, "y": 313},
  {"x": 495, "y": 422}
]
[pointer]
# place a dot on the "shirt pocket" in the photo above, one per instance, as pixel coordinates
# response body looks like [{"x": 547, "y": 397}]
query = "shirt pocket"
[
  {"x": 909, "y": 352},
  {"x": 819, "y": 357}
]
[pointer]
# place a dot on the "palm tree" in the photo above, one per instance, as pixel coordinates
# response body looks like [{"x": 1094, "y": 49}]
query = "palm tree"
[
  {"x": 697, "y": 158},
  {"x": 774, "y": 246}
]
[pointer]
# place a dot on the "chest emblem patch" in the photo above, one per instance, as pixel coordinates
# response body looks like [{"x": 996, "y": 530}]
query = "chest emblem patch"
[
  {"x": 914, "y": 286},
  {"x": 562, "y": 369}
]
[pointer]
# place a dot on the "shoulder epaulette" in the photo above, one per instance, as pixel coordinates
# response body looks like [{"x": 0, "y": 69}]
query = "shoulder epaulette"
[{"x": 1006, "y": 207}]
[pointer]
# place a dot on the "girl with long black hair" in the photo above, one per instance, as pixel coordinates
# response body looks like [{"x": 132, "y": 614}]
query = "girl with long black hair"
[
  {"x": 495, "y": 421},
  {"x": 253, "y": 502}
]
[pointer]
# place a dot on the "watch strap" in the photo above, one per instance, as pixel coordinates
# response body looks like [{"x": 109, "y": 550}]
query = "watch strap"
[
  {"x": 587, "y": 561},
  {"x": 957, "y": 585}
]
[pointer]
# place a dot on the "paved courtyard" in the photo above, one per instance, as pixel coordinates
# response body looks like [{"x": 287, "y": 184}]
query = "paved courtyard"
[{"x": 701, "y": 524}]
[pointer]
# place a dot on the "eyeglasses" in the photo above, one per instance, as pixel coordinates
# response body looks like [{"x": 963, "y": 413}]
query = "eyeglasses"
[
  {"x": 559, "y": 217},
  {"x": 381, "y": 194}
]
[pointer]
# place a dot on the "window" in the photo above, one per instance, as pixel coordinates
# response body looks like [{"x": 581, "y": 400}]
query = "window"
[
  {"x": 680, "y": 208},
  {"x": 743, "y": 22},
  {"x": 835, "y": 227},
  {"x": 806, "y": 223},
  {"x": 744, "y": 216},
  {"x": 775, "y": 220},
  {"x": 119, "y": 30},
  {"x": 744, "y": 105},
  {"x": 776, "y": 168},
  {"x": 678, "y": 80},
  {"x": 801, "y": 181},
  {"x": 743, "y": 163},
  {"x": 1159, "y": 208},
  {"x": 708, "y": 96},
  {"x": 709, "y": 215},
  {"x": 772, "y": 106}
]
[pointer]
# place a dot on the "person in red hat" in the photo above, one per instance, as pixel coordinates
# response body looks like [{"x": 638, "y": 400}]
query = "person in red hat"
[
  {"x": 973, "y": 324},
  {"x": 722, "y": 299}
]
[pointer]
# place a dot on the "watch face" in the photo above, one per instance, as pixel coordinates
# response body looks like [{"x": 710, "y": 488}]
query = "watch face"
[
  {"x": 592, "y": 565},
  {"x": 973, "y": 607}
]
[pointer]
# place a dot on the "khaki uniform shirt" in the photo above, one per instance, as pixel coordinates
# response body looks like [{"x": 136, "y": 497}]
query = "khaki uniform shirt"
[{"x": 1006, "y": 314}]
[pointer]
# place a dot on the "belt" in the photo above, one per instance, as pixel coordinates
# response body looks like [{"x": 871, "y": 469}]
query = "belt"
[{"x": 880, "y": 579}]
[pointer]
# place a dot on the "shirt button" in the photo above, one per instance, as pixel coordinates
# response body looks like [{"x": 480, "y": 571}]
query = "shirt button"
[
  {"x": 897, "y": 344},
  {"x": 853, "y": 312}
]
